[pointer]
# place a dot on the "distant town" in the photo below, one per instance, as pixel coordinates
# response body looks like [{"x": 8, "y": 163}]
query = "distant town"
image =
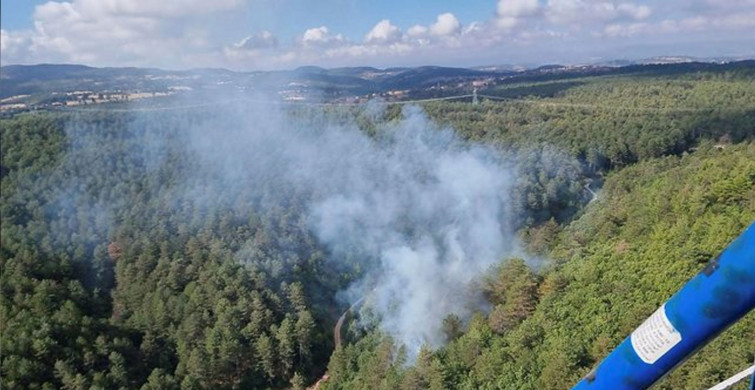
[{"x": 49, "y": 86}]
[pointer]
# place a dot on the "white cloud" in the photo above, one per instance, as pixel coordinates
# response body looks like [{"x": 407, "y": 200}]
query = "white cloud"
[
  {"x": 625, "y": 29},
  {"x": 145, "y": 8},
  {"x": 320, "y": 36},
  {"x": 445, "y": 32},
  {"x": 118, "y": 32},
  {"x": 383, "y": 32},
  {"x": 474, "y": 28},
  {"x": 581, "y": 11},
  {"x": 730, "y": 4},
  {"x": 572, "y": 11},
  {"x": 511, "y": 13},
  {"x": 446, "y": 24},
  {"x": 699, "y": 23},
  {"x": 417, "y": 30},
  {"x": 739, "y": 20},
  {"x": 176, "y": 33},
  {"x": 11, "y": 43},
  {"x": 517, "y": 8},
  {"x": 634, "y": 11},
  {"x": 261, "y": 40},
  {"x": 362, "y": 51}
]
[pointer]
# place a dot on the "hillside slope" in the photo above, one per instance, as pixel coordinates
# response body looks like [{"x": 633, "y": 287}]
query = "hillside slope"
[{"x": 655, "y": 225}]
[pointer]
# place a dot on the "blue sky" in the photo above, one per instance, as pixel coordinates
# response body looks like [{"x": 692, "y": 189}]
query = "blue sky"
[{"x": 279, "y": 34}]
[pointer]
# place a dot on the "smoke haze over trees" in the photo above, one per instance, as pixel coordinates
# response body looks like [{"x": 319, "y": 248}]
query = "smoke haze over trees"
[{"x": 216, "y": 248}]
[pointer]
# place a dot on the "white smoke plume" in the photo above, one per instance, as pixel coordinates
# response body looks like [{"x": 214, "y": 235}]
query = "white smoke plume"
[
  {"x": 421, "y": 212},
  {"x": 410, "y": 213},
  {"x": 431, "y": 212}
]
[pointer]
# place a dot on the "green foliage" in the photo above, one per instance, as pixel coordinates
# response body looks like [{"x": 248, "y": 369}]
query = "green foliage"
[
  {"x": 611, "y": 121},
  {"x": 653, "y": 227},
  {"x": 514, "y": 293},
  {"x": 111, "y": 277},
  {"x": 153, "y": 292}
]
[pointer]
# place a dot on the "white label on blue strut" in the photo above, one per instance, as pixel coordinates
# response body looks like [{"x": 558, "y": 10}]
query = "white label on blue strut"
[{"x": 655, "y": 337}]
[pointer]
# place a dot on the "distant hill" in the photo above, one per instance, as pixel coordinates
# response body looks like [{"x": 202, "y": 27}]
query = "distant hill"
[
  {"x": 47, "y": 78},
  {"x": 312, "y": 81}
]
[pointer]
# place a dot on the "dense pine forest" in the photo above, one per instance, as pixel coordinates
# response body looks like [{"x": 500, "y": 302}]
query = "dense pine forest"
[{"x": 132, "y": 258}]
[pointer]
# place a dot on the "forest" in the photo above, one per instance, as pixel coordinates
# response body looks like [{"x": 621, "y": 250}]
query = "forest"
[{"x": 136, "y": 254}]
